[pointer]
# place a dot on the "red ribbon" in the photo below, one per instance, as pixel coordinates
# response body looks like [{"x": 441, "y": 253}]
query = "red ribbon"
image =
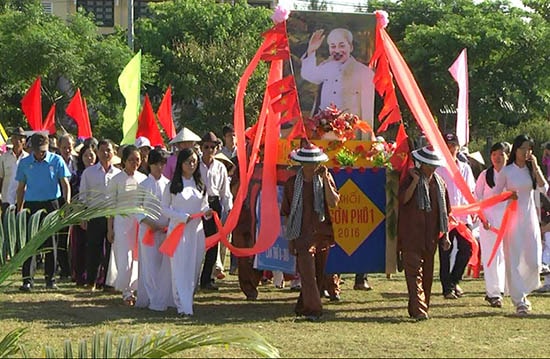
[
  {"x": 172, "y": 240},
  {"x": 136, "y": 243},
  {"x": 467, "y": 234},
  {"x": 510, "y": 211},
  {"x": 149, "y": 237}
]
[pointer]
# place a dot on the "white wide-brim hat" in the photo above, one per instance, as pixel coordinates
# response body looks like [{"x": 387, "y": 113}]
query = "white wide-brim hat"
[
  {"x": 309, "y": 154},
  {"x": 143, "y": 141},
  {"x": 429, "y": 156},
  {"x": 185, "y": 135}
]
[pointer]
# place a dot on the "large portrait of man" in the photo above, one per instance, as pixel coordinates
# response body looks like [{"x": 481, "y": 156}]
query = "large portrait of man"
[{"x": 330, "y": 53}]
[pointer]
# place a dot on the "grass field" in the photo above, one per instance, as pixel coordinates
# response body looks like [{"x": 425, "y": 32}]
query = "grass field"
[{"x": 362, "y": 324}]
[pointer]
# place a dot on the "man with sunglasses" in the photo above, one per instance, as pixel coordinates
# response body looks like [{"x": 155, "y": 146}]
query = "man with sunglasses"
[{"x": 214, "y": 175}]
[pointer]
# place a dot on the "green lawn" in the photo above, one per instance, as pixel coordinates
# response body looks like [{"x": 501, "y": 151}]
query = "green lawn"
[{"x": 363, "y": 324}]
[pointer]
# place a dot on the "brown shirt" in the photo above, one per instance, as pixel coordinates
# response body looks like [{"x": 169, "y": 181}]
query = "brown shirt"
[
  {"x": 314, "y": 232},
  {"x": 419, "y": 230}
]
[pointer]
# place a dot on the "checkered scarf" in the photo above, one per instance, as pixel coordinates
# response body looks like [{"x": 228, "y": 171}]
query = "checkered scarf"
[
  {"x": 424, "y": 203},
  {"x": 294, "y": 224}
]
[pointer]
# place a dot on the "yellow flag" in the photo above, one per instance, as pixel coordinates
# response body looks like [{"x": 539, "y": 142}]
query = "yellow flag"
[
  {"x": 3, "y": 135},
  {"x": 129, "y": 82}
]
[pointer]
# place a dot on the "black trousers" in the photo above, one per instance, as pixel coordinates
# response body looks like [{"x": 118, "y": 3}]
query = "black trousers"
[
  {"x": 63, "y": 248},
  {"x": 98, "y": 251},
  {"x": 6, "y": 248},
  {"x": 211, "y": 254},
  {"x": 49, "y": 245},
  {"x": 450, "y": 278}
]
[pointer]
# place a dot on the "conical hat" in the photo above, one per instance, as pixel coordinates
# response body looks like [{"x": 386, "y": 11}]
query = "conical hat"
[{"x": 185, "y": 135}]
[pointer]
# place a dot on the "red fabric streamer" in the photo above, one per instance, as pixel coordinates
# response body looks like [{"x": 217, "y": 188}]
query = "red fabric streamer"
[
  {"x": 149, "y": 237},
  {"x": 135, "y": 250},
  {"x": 78, "y": 111},
  {"x": 473, "y": 208},
  {"x": 49, "y": 121},
  {"x": 172, "y": 240},
  {"x": 421, "y": 112},
  {"x": 147, "y": 125},
  {"x": 511, "y": 210},
  {"x": 466, "y": 233},
  {"x": 164, "y": 114},
  {"x": 31, "y": 105},
  {"x": 383, "y": 81}
]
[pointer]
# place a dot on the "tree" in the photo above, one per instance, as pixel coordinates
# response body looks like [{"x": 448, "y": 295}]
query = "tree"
[
  {"x": 68, "y": 55},
  {"x": 507, "y": 53},
  {"x": 203, "y": 48}
]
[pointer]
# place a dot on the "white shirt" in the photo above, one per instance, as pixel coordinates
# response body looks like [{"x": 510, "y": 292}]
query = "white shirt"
[
  {"x": 216, "y": 181},
  {"x": 95, "y": 178},
  {"x": 8, "y": 167},
  {"x": 455, "y": 196},
  {"x": 349, "y": 86},
  {"x": 157, "y": 188}
]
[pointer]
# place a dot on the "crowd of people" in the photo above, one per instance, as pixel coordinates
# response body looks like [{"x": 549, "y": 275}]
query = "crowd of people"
[
  {"x": 426, "y": 197},
  {"x": 198, "y": 181}
]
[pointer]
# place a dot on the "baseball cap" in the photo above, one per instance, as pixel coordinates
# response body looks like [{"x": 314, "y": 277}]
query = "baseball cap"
[{"x": 40, "y": 141}]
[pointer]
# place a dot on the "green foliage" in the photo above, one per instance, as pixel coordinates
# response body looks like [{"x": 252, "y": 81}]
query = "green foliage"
[
  {"x": 203, "y": 48},
  {"x": 67, "y": 55},
  {"x": 346, "y": 157},
  {"x": 507, "y": 54},
  {"x": 32, "y": 232},
  {"x": 159, "y": 345},
  {"x": 538, "y": 129},
  {"x": 9, "y": 345}
]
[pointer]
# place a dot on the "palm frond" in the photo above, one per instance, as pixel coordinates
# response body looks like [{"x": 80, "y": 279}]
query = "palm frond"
[
  {"x": 18, "y": 225},
  {"x": 9, "y": 346},
  {"x": 158, "y": 345}
]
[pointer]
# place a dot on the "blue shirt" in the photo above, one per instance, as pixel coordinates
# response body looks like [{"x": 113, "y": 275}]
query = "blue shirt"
[{"x": 42, "y": 177}]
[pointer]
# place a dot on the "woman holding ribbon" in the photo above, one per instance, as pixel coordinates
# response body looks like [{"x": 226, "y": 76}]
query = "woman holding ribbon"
[
  {"x": 485, "y": 188},
  {"x": 155, "y": 275},
  {"x": 522, "y": 238},
  {"x": 122, "y": 231},
  {"x": 185, "y": 202}
]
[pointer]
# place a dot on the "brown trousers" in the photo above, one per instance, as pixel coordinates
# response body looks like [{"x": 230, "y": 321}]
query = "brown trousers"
[
  {"x": 419, "y": 272},
  {"x": 314, "y": 280},
  {"x": 249, "y": 278}
]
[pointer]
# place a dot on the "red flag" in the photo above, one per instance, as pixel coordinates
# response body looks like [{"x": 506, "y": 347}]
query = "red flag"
[
  {"x": 278, "y": 30},
  {"x": 78, "y": 111},
  {"x": 31, "y": 104},
  {"x": 147, "y": 126},
  {"x": 49, "y": 121},
  {"x": 401, "y": 156},
  {"x": 277, "y": 51},
  {"x": 164, "y": 114},
  {"x": 286, "y": 102},
  {"x": 290, "y": 113},
  {"x": 281, "y": 87},
  {"x": 298, "y": 131}
]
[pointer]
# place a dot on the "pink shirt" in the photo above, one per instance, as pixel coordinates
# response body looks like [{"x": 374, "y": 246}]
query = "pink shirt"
[{"x": 170, "y": 166}]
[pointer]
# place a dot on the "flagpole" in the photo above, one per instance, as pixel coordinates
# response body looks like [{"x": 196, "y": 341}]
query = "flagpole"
[{"x": 131, "y": 24}]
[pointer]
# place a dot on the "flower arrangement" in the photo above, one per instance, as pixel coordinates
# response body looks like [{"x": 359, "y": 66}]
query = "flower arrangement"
[
  {"x": 379, "y": 154},
  {"x": 332, "y": 120}
]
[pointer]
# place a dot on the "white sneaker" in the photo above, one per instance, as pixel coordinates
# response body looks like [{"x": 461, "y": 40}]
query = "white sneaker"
[{"x": 545, "y": 269}]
